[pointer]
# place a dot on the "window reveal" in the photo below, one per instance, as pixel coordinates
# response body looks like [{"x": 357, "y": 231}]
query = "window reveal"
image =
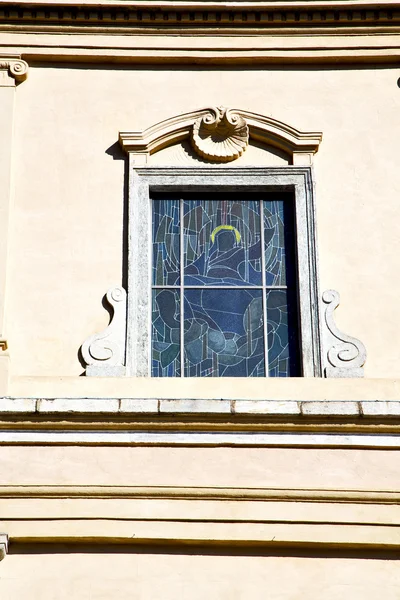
[{"x": 223, "y": 286}]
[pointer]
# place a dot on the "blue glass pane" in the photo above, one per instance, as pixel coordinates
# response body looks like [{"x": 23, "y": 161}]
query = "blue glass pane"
[
  {"x": 222, "y": 242},
  {"x": 279, "y": 350},
  {"x": 224, "y": 334},
  {"x": 165, "y": 242},
  {"x": 166, "y": 353},
  {"x": 274, "y": 242}
]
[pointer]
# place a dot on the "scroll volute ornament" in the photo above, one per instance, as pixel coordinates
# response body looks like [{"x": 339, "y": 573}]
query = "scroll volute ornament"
[
  {"x": 220, "y": 135},
  {"x": 17, "y": 68}
]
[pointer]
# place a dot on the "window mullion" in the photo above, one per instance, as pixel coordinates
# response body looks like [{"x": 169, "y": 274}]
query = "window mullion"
[
  {"x": 264, "y": 288},
  {"x": 182, "y": 314}
]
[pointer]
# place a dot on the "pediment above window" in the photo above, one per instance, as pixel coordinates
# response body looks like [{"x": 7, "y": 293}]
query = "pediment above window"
[{"x": 218, "y": 136}]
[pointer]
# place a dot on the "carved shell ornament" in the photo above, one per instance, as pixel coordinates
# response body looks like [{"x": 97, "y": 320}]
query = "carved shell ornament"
[{"x": 220, "y": 135}]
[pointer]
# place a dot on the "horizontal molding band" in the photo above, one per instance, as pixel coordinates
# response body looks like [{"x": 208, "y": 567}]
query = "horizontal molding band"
[
  {"x": 200, "y": 493},
  {"x": 215, "y": 57},
  {"x": 194, "y": 438},
  {"x": 211, "y": 533}
]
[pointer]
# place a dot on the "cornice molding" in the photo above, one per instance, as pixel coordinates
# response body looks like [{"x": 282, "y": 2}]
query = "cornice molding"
[{"x": 296, "y": 15}]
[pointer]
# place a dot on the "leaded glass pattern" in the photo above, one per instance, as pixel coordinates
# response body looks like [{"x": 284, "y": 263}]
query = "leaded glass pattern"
[
  {"x": 223, "y": 291},
  {"x": 224, "y": 333},
  {"x": 166, "y": 242},
  {"x": 274, "y": 242},
  {"x": 166, "y": 318},
  {"x": 222, "y": 242}
]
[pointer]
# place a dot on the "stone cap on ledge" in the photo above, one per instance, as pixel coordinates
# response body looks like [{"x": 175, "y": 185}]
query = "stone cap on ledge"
[
  {"x": 200, "y": 422},
  {"x": 240, "y": 407}
]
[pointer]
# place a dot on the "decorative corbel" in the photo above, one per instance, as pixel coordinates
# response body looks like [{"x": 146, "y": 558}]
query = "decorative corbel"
[
  {"x": 344, "y": 356},
  {"x": 3, "y": 545},
  {"x": 104, "y": 353},
  {"x": 13, "y": 70}
]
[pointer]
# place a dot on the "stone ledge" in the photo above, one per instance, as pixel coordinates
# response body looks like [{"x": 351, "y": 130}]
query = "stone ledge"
[
  {"x": 239, "y": 407},
  {"x": 77, "y": 405},
  {"x": 267, "y": 407},
  {"x": 195, "y": 406},
  {"x": 325, "y": 408}
]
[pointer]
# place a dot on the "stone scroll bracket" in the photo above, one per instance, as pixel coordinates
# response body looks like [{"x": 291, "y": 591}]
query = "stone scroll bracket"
[
  {"x": 3, "y": 545},
  {"x": 344, "y": 356},
  {"x": 13, "y": 70},
  {"x": 104, "y": 352}
]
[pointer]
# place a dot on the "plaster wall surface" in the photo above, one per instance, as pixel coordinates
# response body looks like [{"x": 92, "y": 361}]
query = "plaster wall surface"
[
  {"x": 230, "y": 467},
  {"x": 102, "y": 575},
  {"x": 67, "y": 222}
]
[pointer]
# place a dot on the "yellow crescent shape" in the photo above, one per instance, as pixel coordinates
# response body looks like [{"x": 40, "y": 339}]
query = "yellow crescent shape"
[{"x": 229, "y": 228}]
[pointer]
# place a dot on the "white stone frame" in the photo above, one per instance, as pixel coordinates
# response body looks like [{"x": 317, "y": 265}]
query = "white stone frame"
[{"x": 144, "y": 180}]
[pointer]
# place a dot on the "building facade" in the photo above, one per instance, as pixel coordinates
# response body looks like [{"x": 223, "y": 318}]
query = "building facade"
[{"x": 187, "y": 191}]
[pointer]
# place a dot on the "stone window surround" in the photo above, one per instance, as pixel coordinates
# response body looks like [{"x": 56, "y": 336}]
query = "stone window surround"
[{"x": 123, "y": 348}]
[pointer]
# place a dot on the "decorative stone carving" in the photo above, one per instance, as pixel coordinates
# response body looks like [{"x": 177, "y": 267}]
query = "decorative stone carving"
[
  {"x": 16, "y": 70},
  {"x": 104, "y": 353},
  {"x": 300, "y": 146},
  {"x": 344, "y": 355},
  {"x": 220, "y": 135},
  {"x": 3, "y": 545}
]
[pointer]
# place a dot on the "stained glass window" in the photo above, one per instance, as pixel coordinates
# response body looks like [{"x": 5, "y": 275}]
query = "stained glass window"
[{"x": 224, "y": 293}]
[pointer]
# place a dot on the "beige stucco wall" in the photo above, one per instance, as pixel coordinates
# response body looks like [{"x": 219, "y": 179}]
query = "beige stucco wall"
[
  {"x": 158, "y": 576},
  {"x": 226, "y": 467},
  {"x": 66, "y": 242},
  {"x": 312, "y": 548}
]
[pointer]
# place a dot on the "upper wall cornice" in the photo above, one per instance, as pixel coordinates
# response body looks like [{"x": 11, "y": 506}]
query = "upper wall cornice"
[{"x": 206, "y": 14}]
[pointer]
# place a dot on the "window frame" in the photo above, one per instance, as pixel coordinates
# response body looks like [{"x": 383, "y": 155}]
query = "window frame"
[{"x": 145, "y": 180}]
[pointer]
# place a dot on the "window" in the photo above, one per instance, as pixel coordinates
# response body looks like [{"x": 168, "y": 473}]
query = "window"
[
  {"x": 237, "y": 245},
  {"x": 224, "y": 285},
  {"x": 222, "y": 267}
]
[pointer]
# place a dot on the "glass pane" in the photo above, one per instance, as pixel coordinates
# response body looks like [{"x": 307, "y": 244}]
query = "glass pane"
[
  {"x": 279, "y": 351},
  {"x": 165, "y": 242},
  {"x": 224, "y": 334},
  {"x": 274, "y": 242},
  {"x": 166, "y": 355},
  {"x": 222, "y": 242}
]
